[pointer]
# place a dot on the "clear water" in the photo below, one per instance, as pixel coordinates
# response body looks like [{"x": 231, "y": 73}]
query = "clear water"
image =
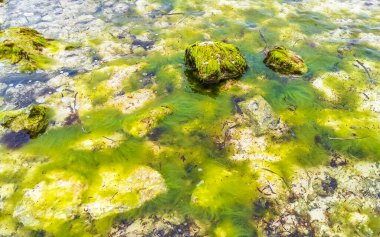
[{"x": 330, "y": 36}]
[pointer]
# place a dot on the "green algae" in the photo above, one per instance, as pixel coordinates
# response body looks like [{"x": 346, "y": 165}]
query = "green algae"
[
  {"x": 211, "y": 62},
  {"x": 187, "y": 153},
  {"x": 73, "y": 46},
  {"x": 23, "y": 46},
  {"x": 285, "y": 62},
  {"x": 34, "y": 120},
  {"x": 148, "y": 121}
]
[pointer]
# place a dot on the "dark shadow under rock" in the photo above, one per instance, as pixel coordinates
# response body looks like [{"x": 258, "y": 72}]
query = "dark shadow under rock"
[{"x": 15, "y": 140}]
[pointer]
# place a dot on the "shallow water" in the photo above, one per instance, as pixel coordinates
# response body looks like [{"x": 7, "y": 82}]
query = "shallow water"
[{"x": 82, "y": 179}]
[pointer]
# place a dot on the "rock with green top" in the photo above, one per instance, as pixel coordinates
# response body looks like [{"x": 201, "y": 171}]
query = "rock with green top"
[
  {"x": 285, "y": 62},
  {"x": 23, "y": 46},
  {"x": 148, "y": 121},
  {"x": 34, "y": 120},
  {"x": 211, "y": 62}
]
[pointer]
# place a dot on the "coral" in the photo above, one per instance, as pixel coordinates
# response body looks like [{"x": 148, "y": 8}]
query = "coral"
[
  {"x": 23, "y": 46},
  {"x": 149, "y": 121},
  {"x": 211, "y": 62},
  {"x": 34, "y": 120},
  {"x": 285, "y": 62}
]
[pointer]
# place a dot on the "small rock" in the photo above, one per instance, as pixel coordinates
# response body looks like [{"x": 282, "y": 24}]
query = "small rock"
[
  {"x": 260, "y": 114},
  {"x": 285, "y": 62}
]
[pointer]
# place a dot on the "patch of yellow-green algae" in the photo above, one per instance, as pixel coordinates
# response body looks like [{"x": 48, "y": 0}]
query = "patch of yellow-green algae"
[
  {"x": 201, "y": 181},
  {"x": 34, "y": 120},
  {"x": 24, "y": 46}
]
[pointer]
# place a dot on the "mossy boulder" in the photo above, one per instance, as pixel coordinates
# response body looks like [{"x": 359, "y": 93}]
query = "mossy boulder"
[
  {"x": 285, "y": 62},
  {"x": 23, "y": 46},
  {"x": 211, "y": 62},
  {"x": 34, "y": 120}
]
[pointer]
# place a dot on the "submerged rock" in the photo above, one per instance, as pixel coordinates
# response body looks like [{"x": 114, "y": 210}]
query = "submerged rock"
[
  {"x": 211, "y": 62},
  {"x": 130, "y": 102},
  {"x": 260, "y": 114},
  {"x": 159, "y": 225},
  {"x": 285, "y": 62},
  {"x": 317, "y": 204},
  {"x": 148, "y": 121},
  {"x": 23, "y": 46},
  {"x": 34, "y": 120},
  {"x": 54, "y": 200},
  {"x": 120, "y": 191}
]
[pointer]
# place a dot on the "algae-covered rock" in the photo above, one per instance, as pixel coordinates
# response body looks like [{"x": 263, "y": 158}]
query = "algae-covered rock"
[
  {"x": 33, "y": 119},
  {"x": 52, "y": 201},
  {"x": 260, "y": 114},
  {"x": 211, "y": 62},
  {"x": 23, "y": 46},
  {"x": 148, "y": 121},
  {"x": 121, "y": 190},
  {"x": 285, "y": 62}
]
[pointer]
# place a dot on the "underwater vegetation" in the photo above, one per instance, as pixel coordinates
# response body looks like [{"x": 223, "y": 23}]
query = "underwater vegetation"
[
  {"x": 185, "y": 118},
  {"x": 23, "y": 46}
]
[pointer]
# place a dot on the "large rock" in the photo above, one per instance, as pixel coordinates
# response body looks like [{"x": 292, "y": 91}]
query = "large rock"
[
  {"x": 211, "y": 62},
  {"x": 34, "y": 120},
  {"x": 23, "y": 46},
  {"x": 285, "y": 62}
]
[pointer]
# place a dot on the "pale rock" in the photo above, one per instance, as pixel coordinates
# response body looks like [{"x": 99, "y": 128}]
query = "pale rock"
[{"x": 120, "y": 191}]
